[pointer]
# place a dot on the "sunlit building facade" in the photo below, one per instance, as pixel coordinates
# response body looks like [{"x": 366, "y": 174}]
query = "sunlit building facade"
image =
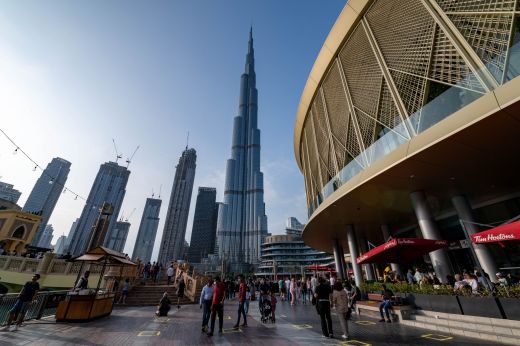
[{"x": 407, "y": 125}]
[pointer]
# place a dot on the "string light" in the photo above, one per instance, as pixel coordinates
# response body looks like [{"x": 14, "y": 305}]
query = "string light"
[{"x": 52, "y": 180}]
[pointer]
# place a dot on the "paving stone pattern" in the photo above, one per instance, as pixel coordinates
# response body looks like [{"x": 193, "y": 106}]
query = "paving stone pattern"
[{"x": 297, "y": 325}]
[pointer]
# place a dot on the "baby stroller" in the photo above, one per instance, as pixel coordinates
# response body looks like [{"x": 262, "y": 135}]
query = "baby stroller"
[{"x": 265, "y": 309}]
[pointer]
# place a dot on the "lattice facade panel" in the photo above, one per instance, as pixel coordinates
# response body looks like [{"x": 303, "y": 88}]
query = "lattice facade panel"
[
  {"x": 306, "y": 170},
  {"x": 388, "y": 113},
  {"x": 338, "y": 112},
  {"x": 352, "y": 146},
  {"x": 488, "y": 35},
  {"x": 313, "y": 154},
  {"x": 322, "y": 134},
  {"x": 362, "y": 71},
  {"x": 416, "y": 51},
  {"x": 449, "y": 67},
  {"x": 367, "y": 127},
  {"x": 406, "y": 44},
  {"x": 411, "y": 88},
  {"x": 476, "y": 5}
]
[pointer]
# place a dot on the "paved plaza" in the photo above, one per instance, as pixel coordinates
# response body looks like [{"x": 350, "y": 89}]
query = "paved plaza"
[{"x": 298, "y": 325}]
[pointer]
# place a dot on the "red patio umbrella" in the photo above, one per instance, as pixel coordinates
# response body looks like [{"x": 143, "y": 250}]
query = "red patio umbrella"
[
  {"x": 508, "y": 232},
  {"x": 401, "y": 250}
]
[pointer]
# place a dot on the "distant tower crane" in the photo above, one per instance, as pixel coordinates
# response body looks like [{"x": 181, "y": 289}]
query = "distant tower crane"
[
  {"x": 118, "y": 155},
  {"x": 129, "y": 160}
]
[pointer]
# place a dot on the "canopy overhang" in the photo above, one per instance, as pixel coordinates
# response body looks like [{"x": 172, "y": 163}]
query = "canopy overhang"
[
  {"x": 401, "y": 250},
  {"x": 508, "y": 232}
]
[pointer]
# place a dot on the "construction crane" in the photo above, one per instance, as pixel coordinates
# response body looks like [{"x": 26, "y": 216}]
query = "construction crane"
[
  {"x": 129, "y": 160},
  {"x": 118, "y": 155},
  {"x": 130, "y": 215}
]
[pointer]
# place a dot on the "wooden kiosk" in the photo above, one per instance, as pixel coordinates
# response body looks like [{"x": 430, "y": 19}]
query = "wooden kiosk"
[{"x": 88, "y": 304}]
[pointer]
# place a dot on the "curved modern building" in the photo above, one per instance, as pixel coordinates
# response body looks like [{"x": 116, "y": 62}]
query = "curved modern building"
[
  {"x": 287, "y": 254},
  {"x": 408, "y": 125}
]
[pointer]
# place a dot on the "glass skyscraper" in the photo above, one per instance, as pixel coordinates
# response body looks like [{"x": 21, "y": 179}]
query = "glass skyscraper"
[
  {"x": 46, "y": 192},
  {"x": 147, "y": 230},
  {"x": 109, "y": 186},
  {"x": 172, "y": 243},
  {"x": 242, "y": 223},
  {"x": 204, "y": 228}
]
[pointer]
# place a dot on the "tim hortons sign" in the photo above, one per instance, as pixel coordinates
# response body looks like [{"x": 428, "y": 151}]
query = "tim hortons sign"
[{"x": 493, "y": 237}]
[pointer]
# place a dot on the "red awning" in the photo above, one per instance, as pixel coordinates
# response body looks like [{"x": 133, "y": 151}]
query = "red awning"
[
  {"x": 401, "y": 250},
  {"x": 508, "y": 232},
  {"x": 319, "y": 268}
]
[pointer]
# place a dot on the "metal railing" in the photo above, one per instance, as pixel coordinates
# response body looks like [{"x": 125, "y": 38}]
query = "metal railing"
[{"x": 43, "y": 304}]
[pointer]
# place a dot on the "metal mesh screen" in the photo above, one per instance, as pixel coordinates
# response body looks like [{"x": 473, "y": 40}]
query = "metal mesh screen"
[
  {"x": 449, "y": 67},
  {"x": 476, "y": 5},
  {"x": 488, "y": 35}
]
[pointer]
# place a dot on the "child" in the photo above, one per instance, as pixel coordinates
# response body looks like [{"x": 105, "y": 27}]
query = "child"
[
  {"x": 273, "y": 306},
  {"x": 248, "y": 299}
]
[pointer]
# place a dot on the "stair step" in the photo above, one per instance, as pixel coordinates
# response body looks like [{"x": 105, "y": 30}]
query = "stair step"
[{"x": 506, "y": 333}]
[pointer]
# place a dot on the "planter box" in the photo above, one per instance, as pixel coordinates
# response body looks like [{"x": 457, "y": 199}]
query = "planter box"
[
  {"x": 480, "y": 306},
  {"x": 511, "y": 307},
  {"x": 420, "y": 301},
  {"x": 447, "y": 304}
]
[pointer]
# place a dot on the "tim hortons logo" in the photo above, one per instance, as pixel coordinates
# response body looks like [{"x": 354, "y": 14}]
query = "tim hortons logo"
[
  {"x": 491, "y": 237},
  {"x": 406, "y": 241}
]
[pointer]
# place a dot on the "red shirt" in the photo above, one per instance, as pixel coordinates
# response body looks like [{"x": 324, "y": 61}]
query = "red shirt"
[
  {"x": 219, "y": 291},
  {"x": 242, "y": 292}
]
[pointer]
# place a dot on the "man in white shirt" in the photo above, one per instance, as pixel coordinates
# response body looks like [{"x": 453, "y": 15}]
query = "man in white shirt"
[
  {"x": 206, "y": 297},
  {"x": 418, "y": 275},
  {"x": 288, "y": 287},
  {"x": 313, "y": 284},
  {"x": 169, "y": 273}
]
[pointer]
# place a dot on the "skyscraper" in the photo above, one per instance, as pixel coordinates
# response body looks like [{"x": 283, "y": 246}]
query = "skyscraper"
[
  {"x": 46, "y": 191},
  {"x": 242, "y": 223},
  {"x": 204, "y": 228},
  {"x": 109, "y": 186},
  {"x": 8, "y": 192},
  {"x": 60, "y": 245},
  {"x": 172, "y": 243},
  {"x": 116, "y": 240},
  {"x": 70, "y": 236},
  {"x": 147, "y": 230},
  {"x": 46, "y": 237}
]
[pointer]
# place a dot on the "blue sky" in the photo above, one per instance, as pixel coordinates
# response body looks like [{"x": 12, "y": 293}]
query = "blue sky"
[{"x": 75, "y": 74}]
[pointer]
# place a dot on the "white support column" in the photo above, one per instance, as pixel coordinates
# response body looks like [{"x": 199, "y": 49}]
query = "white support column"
[
  {"x": 429, "y": 229},
  {"x": 353, "y": 247},
  {"x": 339, "y": 259},
  {"x": 363, "y": 247},
  {"x": 386, "y": 235},
  {"x": 481, "y": 251}
]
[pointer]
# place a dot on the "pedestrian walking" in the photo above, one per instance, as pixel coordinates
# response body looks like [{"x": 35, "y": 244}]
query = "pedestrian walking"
[
  {"x": 292, "y": 289},
  {"x": 25, "y": 296},
  {"x": 287, "y": 286},
  {"x": 169, "y": 273},
  {"x": 206, "y": 296},
  {"x": 341, "y": 303},
  {"x": 323, "y": 297},
  {"x": 124, "y": 292},
  {"x": 248, "y": 299},
  {"x": 304, "y": 291},
  {"x": 241, "y": 301},
  {"x": 217, "y": 305}
]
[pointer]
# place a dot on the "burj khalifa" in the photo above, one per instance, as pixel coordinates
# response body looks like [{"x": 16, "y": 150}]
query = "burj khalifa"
[{"x": 242, "y": 223}]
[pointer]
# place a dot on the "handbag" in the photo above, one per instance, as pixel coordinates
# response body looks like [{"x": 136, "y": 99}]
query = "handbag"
[{"x": 313, "y": 300}]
